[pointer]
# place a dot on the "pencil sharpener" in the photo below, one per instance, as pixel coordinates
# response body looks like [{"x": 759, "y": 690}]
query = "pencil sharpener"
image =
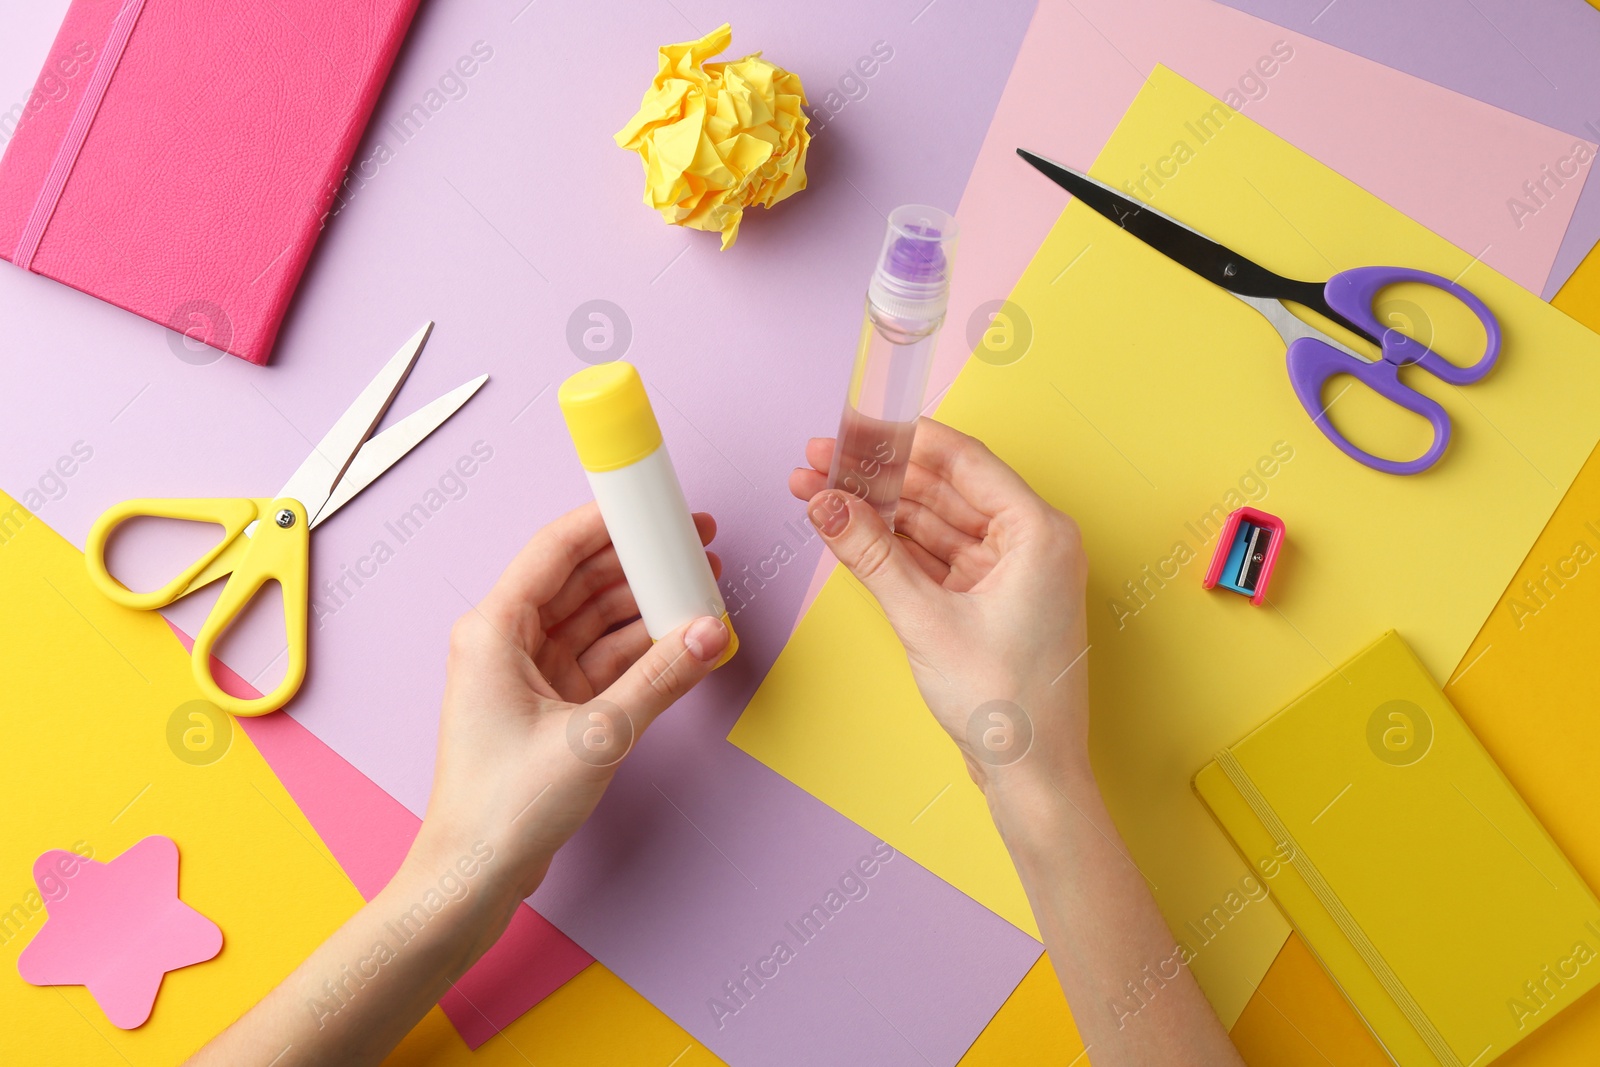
[{"x": 1246, "y": 551}]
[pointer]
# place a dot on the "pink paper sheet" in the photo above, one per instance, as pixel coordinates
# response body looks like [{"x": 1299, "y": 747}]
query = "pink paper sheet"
[
  {"x": 1447, "y": 160},
  {"x": 369, "y": 833},
  {"x": 1533, "y": 57}
]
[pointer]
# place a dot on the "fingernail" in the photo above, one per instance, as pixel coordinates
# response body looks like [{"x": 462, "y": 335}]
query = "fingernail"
[
  {"x": 830, "y": 513},
  {"x": 705, "y": 638}
]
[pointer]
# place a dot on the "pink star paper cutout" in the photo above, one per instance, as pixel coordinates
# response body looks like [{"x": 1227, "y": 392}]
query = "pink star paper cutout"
[{"x": 116, "y": 928}]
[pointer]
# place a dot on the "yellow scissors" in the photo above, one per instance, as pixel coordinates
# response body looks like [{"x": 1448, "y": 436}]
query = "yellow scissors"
[{"x": 268, "y": 539}]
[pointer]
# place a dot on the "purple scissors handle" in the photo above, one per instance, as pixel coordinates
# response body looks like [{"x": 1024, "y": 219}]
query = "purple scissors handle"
[{"x": 1313, "y": 362}]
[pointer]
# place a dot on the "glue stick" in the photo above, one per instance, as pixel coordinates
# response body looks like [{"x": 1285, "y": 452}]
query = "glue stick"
[
  {"x": 906, "y": 301},
  {"x": 619, "y": 444}
]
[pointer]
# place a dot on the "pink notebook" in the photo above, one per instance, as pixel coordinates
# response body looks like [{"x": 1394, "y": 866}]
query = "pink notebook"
[{"x": 177, "y": 158}]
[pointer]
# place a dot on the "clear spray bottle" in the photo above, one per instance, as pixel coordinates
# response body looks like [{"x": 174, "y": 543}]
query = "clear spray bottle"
[{"x": 906, "y": 301}]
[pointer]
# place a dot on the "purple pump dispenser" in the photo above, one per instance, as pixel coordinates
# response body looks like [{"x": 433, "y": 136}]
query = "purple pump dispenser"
[{"x": 906, "y": 301}]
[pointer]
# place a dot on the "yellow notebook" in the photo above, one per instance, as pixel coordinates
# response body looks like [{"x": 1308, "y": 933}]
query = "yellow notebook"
[{"x": 1409, "y": 865}]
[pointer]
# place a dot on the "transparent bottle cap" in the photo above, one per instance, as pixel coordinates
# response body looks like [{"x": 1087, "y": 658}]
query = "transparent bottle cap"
[{"x": 912, "y": 279}]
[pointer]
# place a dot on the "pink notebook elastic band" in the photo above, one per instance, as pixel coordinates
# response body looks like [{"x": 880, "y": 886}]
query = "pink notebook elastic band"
[{"x": 71, "y": 144}]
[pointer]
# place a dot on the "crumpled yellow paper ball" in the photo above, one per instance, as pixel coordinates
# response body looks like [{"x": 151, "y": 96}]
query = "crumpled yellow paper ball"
[{"x": 717, "y": 138}]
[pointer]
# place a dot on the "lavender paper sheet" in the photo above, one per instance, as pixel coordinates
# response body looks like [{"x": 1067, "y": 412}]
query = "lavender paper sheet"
[
  {"x": 1536, "y": 58},
  {"x": 496, "y": 204}
]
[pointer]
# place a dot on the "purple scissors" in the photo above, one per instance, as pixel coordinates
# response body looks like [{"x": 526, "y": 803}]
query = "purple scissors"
[{"x": 1314, "y": 357}]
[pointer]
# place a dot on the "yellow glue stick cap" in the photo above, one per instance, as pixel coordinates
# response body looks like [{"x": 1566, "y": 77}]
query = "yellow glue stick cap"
[
  {"x": 733, "y": 643},
  {"x": 609, "y": 416}
]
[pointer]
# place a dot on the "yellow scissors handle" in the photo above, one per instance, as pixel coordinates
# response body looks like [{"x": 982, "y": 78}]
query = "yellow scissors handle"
[
  {"x": 277, "y": 549},
  {"x": 232, "y": 515}
]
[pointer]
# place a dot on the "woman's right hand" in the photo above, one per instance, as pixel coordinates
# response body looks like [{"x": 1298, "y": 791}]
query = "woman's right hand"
[{"x": 984, "y": 585}]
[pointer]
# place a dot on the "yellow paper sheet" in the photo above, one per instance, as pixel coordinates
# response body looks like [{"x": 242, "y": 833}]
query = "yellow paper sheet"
[
  {"x": 1528, "y": 689},
  {"x": 1296, "y": 1018},
  {"x": 1149, "y": 405},
  {"x": 593, "y": 1019},
  {"x": 1482, "y": 863},
  {"x": 1580, "y": 296},
  {"x": 1033, "y": 1026},
  {"x": 89, "y": 689}
]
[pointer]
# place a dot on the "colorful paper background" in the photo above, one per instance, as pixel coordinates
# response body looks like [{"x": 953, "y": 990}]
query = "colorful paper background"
[
  {"x": 1126, "y": 426},
  {"x": 500, "y": 219},
  {"x": 1532, "y": 57},
  {"x": 132, "y": 359},
  {"x": 90, "y": 689},
  {"x": 1096, "y": 54},
  {"x": 369, "y": 832},
  {"x": 1528, "y": 690}
]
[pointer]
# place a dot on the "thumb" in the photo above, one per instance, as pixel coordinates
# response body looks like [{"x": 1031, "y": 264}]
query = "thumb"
[
  {"x": 669, "y": 668},
  {"x": 861, "y": 540}
]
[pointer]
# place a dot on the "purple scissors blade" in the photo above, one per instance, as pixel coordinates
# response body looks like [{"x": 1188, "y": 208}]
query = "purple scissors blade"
[{"x": 1313, "y": 356}]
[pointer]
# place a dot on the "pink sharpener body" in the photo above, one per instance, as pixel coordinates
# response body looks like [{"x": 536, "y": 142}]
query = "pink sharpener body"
[{"x": 1246, "y": 552}]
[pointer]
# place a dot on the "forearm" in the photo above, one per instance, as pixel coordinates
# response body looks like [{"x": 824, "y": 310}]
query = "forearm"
[
  {"x": 363, "y": 990},
  {"x": 1133, "y": 1000}
]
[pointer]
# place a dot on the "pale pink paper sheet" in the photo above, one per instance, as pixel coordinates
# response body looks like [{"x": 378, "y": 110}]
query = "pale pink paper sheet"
[{"x": 1447, "y": 160}]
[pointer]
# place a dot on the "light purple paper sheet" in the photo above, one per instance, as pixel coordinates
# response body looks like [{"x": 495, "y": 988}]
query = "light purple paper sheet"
[
  {"x": 1536, "y": 58},
  {"x": 503, "y": 210}
]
